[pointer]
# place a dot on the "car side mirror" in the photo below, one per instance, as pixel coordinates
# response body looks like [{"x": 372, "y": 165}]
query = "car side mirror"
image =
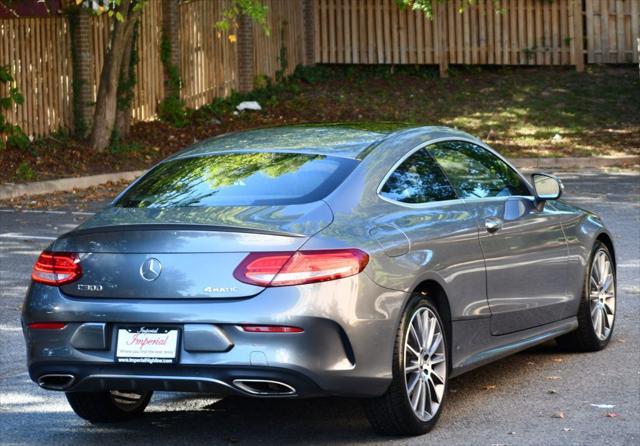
[{"x": 547, "y": 187}]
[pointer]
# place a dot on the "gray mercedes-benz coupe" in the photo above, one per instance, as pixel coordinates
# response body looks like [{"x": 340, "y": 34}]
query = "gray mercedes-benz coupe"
[{"x": 317, "y": 260}]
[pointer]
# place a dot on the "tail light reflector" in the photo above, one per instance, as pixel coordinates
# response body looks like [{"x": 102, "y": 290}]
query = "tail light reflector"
[
  {"x": 47, "y": 325},
  {"x": 57, "y": 268},
  {"x": 270, "y": 329},
  {"x": 297, "y": 268}
]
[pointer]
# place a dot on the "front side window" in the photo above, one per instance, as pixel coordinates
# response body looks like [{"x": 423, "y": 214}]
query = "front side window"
[
  {"x": 475, "y": 172},
  {"x": 237, "y": 179},
  {"x": 418, "y": 180}
]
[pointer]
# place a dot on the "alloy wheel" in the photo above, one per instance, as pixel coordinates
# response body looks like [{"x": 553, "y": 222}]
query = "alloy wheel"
[
  {"x": 425, "y": 363},
  {"x": 602, "y": 295}
]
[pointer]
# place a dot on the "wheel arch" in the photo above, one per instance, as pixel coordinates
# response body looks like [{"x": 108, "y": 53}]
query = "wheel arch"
[
  {"x": 433, "y": 291},
  {"x": 606, "y": 239}
]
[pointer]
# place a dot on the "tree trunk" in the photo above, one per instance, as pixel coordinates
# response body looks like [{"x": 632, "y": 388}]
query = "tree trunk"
[
  {"x": 123, "y": 114},
  {"x": 106, "y": 103}
]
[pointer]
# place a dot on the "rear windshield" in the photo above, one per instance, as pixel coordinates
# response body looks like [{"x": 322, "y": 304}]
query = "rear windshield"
[{"x": 236, "y": 179}]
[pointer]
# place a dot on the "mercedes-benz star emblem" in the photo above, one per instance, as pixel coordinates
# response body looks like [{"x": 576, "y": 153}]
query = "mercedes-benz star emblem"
[{"x": 150, "y": 270}]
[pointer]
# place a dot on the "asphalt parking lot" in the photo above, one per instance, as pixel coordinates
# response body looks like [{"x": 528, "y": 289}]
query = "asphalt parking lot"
[{"x": 538, "y": 397}]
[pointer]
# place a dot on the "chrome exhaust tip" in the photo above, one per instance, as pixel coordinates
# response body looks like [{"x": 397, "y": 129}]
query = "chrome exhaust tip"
[
  {"x": 264, "y": 387},
  {"x": 56, "y": 381}
]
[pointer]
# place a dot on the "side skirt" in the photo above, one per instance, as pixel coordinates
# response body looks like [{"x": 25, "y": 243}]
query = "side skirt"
[{"x": 473, "y": 345}]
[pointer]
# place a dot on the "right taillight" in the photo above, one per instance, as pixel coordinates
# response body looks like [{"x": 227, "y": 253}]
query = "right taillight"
[
  {"x": 56, "y": 268},
  {"x": 301, "y": 267}
]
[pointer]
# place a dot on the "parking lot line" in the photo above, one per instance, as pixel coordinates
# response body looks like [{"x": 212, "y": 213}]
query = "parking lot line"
[{"x": 15, "y": 235}]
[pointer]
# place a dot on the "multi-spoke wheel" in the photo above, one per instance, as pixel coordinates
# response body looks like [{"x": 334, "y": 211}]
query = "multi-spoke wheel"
[
  {"x": 602, "y": 294},
  {"x": 597, "y": 311},
  {"x": 114, "y": 405},
  {"x": 413, "y": 402},
  {"x": 425, "y": 363}
]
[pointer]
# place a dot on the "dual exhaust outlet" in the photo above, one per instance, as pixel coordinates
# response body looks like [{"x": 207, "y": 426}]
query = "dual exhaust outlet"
[{"x": 256, "y": 387}]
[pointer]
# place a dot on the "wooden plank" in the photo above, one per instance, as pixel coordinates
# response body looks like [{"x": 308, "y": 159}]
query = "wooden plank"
[
  {"x": 402, "y": 35},
  {"x": 466, "y": 17},
  {"x": 604, "y": 23},
  {"x": 521, "y": 45},
  {"x": 555, "y": 34},
  {"x": 371, "y": 33},
  {"x": 362, "y": 16},
  {"x": 420, "y": 28},
  {"x": 482, "y": 33},
  {"x": 379, "y": 32},
  {"x": 620, "y": 28},
  {"x": 497, "y": 38},
  {"x": 346, "y": 20},
  {"x": 355, "y": 37},
  {"x": 578, "y": 34},
  {"x": 635, "y": 30},
  {"x": 411, "y": 35},
  {"x": 386, "y": 13},
  {"x": 490, "y": 12},
  {"x": 340, "y": 49},
  {"x": 323, "y": 31},
  {"x": 395, "y": 40}
]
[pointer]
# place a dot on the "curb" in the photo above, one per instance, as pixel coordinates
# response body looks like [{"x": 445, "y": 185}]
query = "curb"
[
  {"x": 8, "y": 191},
  {"x": 65, "y": 184},
  {"x": 574, "y": 162}
]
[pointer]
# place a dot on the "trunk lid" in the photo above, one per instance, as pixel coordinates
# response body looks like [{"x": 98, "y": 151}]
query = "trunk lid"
[{"x": 181, "y": 252}]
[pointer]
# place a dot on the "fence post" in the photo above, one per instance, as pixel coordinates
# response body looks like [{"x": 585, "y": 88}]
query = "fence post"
[
  {"x": 308, "y": 19},
  {"x": 82, "y": 71},
  {"x": 443, "y": 53},
  {"x": 578, "y": 35},
  {"x": 245, "y": 54}
]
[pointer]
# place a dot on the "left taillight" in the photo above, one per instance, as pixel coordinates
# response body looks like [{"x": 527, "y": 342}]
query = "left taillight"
[{"x": 57, "y": 268}]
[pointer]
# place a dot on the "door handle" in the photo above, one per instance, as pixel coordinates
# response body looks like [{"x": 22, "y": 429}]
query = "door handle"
[{"x": 493, "y": 224}]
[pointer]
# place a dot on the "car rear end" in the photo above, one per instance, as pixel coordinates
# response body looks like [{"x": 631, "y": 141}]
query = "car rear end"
[{"x": 197, "y": 279}]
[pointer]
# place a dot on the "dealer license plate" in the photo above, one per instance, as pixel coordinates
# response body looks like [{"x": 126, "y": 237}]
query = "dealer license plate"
[{"x": 151, "y": 345}]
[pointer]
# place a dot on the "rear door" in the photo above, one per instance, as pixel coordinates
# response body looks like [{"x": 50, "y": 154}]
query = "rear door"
[{"x": 524, "y": 245}]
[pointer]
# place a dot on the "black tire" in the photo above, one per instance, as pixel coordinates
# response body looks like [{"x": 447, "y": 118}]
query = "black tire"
[
  {"x": 584, "y": 338},
  {"x": 391, "y": 413},
  {"x": 108, "y": 407}
]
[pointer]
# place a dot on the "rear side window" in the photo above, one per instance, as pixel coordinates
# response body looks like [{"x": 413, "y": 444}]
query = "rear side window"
[
  {"x": 418, "y": 180},
  {"x": 476, "y": 172},
  {"x": 236, "y": 179}
]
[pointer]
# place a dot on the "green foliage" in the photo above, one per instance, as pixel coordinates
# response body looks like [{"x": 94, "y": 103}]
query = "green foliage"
[
  {"x": 254, "y": 9},
  {"x": 25, "y": 172},
  {"x": 172, "y": 109},
  {"x": 14, "y": 135},
  {"x": 284, "y": 63},
  {"x": 427, "y": 6}
]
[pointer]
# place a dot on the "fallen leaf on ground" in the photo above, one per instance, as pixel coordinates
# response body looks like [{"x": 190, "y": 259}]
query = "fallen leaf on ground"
[
  {"x": 489, "y": 387},
  {"x": 567, "y": 429},
  {"x": 552, "y": 392},
  {"x": 611, "y": 415},
  {"x": 558, "y": 360},
  {"x": 558, "y": 415},
  {"x": 553, "y": 378}
]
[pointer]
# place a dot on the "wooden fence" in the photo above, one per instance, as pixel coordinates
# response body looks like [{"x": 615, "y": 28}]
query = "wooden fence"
[
  {"x": 38, "y": 53},
  {"x": 285, "y": 23},
  {"x": 506, "y": 32},
  {"x": 513, "y": 32},
  {"x": 208, "y": 66},
  {"x": 612, "y": 29}
]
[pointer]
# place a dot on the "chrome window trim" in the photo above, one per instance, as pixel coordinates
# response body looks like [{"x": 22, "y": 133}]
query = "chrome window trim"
[{"x": 457, "y": 200}]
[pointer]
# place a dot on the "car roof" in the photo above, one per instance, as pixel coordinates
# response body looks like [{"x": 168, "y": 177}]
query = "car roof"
[{"x": 347, "y": 140}]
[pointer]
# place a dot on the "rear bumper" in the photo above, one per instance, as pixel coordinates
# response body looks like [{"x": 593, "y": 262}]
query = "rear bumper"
[{"x": 345, "y": 349}]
